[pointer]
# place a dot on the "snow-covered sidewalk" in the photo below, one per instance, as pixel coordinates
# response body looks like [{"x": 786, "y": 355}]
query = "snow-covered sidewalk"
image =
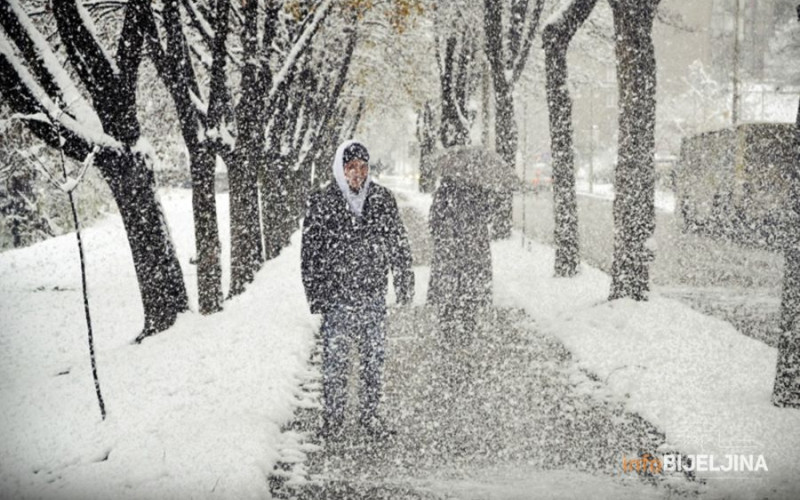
[
  {"x": 197, "y": 410},
  {"x": 500, "y": 418},
  {"x": 194, "y": 412}
]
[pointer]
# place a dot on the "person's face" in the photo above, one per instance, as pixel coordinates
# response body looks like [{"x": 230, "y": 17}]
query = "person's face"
[{"x": 356, "y": 171}]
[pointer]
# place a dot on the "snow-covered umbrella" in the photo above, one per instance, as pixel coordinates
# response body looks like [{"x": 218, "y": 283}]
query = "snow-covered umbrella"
[{"x": 476, "y": 165}]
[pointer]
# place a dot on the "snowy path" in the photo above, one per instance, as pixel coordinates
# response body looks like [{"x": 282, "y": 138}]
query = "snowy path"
[
  {"x": 523, "y": 425},
  {"x": 517, "y": 429}
]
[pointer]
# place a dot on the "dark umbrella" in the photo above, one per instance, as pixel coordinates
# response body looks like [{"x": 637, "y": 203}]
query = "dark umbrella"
[{"x": 476, "y": 165}]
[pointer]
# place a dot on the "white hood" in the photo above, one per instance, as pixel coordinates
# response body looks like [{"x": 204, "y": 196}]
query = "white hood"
[{"x": 355, "y": 201}]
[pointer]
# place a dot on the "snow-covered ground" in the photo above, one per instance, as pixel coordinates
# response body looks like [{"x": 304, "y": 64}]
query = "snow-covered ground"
[
  {"x": 694, "y": 377},
  {"x": 192, "y": 412},
  {"x": 197, "y": 410}
]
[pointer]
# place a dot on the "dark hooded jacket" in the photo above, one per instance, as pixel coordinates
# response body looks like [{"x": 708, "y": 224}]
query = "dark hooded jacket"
[
  {"x": 461, "y": 268},
  {"x": 346, "y": 258}
]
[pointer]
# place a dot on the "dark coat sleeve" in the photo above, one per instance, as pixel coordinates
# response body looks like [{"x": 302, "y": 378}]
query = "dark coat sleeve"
[
  {"x": 313, "y": 255},
  {"x": 400, "y": 256}
]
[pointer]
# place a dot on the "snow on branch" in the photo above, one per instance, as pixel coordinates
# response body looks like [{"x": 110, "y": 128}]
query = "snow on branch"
[
  {"x": 88, "y": 24},
  {"x": 298, "y": 48},
  {"x": 71, "y": 183},
  {"x": 75, "y": 104},
  {"x": 54, "y": 112},
  {"x": 566, "y": 20},
  {"x": 198, "y": 102},
  {"x": 199, "y": 21},
  {"x": 85, "y": 53},
  {"x": 522, "y": 56},
  {"x": 558, "y": 14},
  {"x": 65, "y": 186},
  {"x": 39, "y": 117}
]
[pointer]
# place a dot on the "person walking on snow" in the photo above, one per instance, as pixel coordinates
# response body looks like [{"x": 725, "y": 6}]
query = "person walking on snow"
[
  {"x": 461, "y": 268},
  {"x": 352, "y": 237}
]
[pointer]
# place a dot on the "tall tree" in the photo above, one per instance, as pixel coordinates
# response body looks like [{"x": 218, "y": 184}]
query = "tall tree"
[
  {"x": 38, "y": 86},
  {"x": 246, "y": 237},
  {"x": 634, "y": 185},
  {"x": 556, "y": 37},
  {"x": 174, "y": 66},
  {"x": 507, "y": 50},
  {"x": 786, "y": 391},
  {"x": 236, "y": 118},
  {"x": 304, "y": 123}
]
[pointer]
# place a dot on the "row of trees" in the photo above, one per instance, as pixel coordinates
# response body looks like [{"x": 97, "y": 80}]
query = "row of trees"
[
  {"x": 256, "y": 85},
  {"x": 507, "y": 30},
  {"x": 634, "y": 211}
]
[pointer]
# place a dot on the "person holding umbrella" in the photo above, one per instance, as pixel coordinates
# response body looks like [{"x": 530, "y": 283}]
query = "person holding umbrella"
[{"x": 461, "y": 268}]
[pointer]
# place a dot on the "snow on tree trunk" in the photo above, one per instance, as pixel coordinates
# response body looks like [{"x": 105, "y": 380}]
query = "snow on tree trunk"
[
  {"x": 634, "y": 185},
  {"x": 246, "y": 256},
  {"x": 110, "y": 124},
  {"x": 454, "y": 129},
  {"x": 246, "y": 244},
  {"x": 505, "y": 124},
  {"x": 507, "y": 52},
  {"x": 157, "y": 268},
  {"x": 556, "y": 37},
  {"x": 206, "y": 229},
  {"x": 175, "y": 69},
  {"x": 786, "y": 391},
  {"x": 506, "y": 146}
]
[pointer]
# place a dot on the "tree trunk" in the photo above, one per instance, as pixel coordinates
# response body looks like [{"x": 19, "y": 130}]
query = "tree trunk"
[
  {"x": 112, "y": 85},
  {"x": 157, "y": 269},
  {"x": 175, "y": 69},
  {"x": 634, "y": 209},
  {"x": 246, "y": 250},
  {"x": 453, "y": 131},
  {"x": 556, "y": 38},
  {"x": 564, "y": 195},
  {"x": 786, "y": 391},
  {"x": 246, "y": 243},
  {"x": 206, "y": 230},
  {"x": 505, "y": 126}
]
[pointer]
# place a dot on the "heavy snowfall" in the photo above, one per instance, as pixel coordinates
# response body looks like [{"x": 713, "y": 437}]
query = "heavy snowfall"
[{"x": 410, "y": 249}]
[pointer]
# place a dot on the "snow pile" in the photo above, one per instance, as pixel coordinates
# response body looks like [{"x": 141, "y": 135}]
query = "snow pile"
[{"x": 193, "y": 412}]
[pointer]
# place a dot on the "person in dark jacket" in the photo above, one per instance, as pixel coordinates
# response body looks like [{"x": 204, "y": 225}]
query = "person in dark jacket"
[
  {"x": 352, "y": 237},
  {"x": 461, "y": 268}
]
